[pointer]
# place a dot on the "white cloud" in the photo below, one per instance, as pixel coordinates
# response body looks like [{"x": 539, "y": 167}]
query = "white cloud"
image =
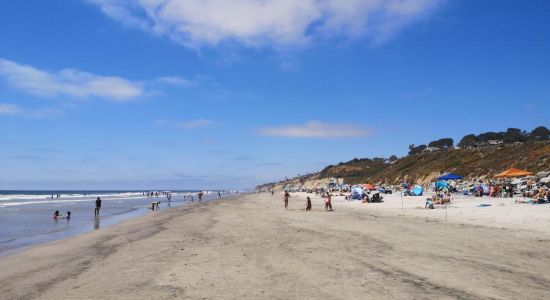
[
  {"x": 195, "y": 123},
  {"x": 278, "y": 23},
  {"x": 75, "y": 83},
  {"x": 316, "y": 129},
  {"x": 68, "y": 82},
  {"x": 15, "y": 110}
]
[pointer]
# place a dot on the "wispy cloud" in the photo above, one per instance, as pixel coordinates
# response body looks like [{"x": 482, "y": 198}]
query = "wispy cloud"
[
  {"x": 189, "y": 124},
  {"x": 243, "y": 158},
  {"x": 28, "y": 157},
  {"x": 316, "y": 129},
  {"x": 79, "y": 84},
  {"x": 16, "y": 110},
  {"x": 277, "y": 23},
  {"x": 208, "y": 141},
  {"x": 175, "y": 80},
  {"x": 195, "y": 123},
  {"x": 9, "y": 109},
  {"x": 68, "y": 82}
]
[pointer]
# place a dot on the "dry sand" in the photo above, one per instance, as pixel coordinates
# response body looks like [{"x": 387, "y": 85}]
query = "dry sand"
[{"x": 251, "y": 248}]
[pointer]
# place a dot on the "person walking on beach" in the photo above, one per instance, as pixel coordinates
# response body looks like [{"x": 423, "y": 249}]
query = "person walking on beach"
[
  {"x": 200, "y": 196},
  {"x": 287, "y": 195},
  {"x": 308, "y": 204},
  {"x": 97, "y": 206}
]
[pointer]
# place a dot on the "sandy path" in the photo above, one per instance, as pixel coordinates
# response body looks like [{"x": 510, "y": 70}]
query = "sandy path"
[{"x": 252, "y": 248}]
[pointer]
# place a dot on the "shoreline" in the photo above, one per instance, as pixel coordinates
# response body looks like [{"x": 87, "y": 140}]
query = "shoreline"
[
  {"x": 53, "y": 230},
  {"x": 251, "y": 247}
]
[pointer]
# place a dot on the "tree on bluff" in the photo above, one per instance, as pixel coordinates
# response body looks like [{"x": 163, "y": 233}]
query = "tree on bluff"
[
  {"x": 444, "y": 143},
  {"x": 468, "y": 141},
  {"x": 540, "y": 133},
  {"x": 513, "y": 135},
  {"x": 415, "y": 150}
]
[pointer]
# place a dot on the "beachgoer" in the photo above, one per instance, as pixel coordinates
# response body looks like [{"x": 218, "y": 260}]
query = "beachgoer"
[
  {"x": 429, "y": 203},
  {"x": 68, "y": 215},
  {"x": 56, "y": 215},
  {"x": 219, "y": 195},
  {"x": 200, "y": 196},
  {"x": 287, "y": 195},
  {"x": 97, "y": 206},
  {"x": 308, "y": 204},
  {"x": 328, "y": 202}
]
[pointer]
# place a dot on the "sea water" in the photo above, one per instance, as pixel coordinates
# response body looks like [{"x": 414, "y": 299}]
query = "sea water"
[{"x": 26, "y": 217}]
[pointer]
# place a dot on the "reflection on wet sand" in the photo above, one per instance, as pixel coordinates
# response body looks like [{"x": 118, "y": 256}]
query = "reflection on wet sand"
[{"x": 96, "y": 223}]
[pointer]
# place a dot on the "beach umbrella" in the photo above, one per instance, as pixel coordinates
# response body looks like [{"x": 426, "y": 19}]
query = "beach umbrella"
[
  {"x": 513, "y": 172},
  {"x": 369, "y": 187},
  {"x": 449, "y": 176}
]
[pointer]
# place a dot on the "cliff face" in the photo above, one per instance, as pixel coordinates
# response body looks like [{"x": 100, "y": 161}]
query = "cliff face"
[{"x": 423, "y": 168}]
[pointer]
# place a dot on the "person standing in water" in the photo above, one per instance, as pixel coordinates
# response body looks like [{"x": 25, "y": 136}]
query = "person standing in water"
[
  {"x": 287, "y": 195},
  {"x": 200, "y": 196},
  {"x": 97, "y": 206}
]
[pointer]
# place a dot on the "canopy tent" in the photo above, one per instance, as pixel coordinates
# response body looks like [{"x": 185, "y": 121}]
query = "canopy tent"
[
  {"x": 449, "y": 176},
  {"x": 513, "y": 172},
  {"x": 441, "y": 184},
  {"x": 368, "y": 186}
]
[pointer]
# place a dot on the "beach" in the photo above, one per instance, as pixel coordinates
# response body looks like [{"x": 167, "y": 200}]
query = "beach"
[{"x": 251, "y": 247}]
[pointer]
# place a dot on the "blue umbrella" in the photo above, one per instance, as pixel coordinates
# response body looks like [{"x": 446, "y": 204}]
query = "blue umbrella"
[{"x": 449, "y": 176}]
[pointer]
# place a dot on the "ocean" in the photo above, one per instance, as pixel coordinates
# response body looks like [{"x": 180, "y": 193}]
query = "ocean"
[{"x": 26, "y": 217}]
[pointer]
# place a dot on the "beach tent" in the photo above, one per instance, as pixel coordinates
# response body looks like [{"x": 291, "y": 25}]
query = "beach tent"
[
  {"x": 417, "y": 190},
  {"x": 450, "y": 176},
  {"x": 513, "y": 172},
  {"x": 369, "y": 187},
  {"x": 356, "y": 193}
]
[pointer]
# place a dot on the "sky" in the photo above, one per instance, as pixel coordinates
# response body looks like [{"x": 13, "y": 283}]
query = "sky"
[{"x": 214, "y": 94}]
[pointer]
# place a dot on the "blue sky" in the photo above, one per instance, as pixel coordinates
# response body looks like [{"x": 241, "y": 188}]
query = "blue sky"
[{"x": 119, "y": 94}]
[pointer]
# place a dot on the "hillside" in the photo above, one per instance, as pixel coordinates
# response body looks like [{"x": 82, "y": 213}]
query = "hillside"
[{"x": 424, "y": 167}]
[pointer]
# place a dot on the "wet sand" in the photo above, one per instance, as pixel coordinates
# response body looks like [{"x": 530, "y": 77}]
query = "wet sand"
[{"x": 251, "y": 248}]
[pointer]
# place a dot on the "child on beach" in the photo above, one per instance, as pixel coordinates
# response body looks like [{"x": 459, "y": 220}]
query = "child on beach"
[
  {"x": 308, "y": 204},
  {"x": 56, "y": 215}
]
